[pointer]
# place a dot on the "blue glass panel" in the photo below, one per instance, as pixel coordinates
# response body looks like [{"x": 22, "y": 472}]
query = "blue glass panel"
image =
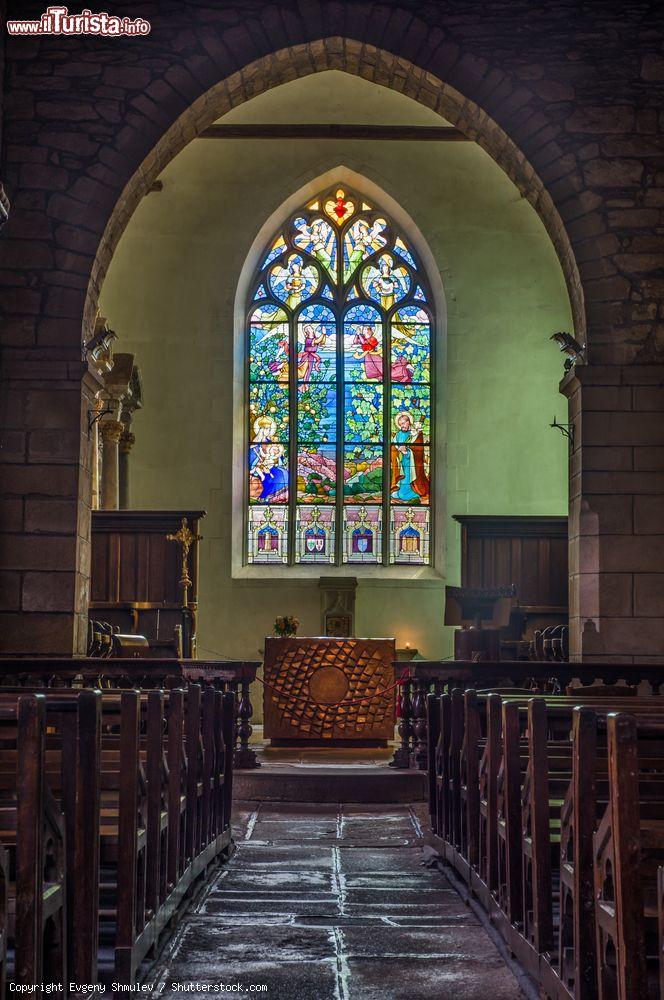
[
  {"x": 293, "y": 282},
  {"x": 317, "y": 412},
  {"x": 316, "y": 473},
  {"x": 268, "y": 473},
  {"x": 317, "y": 313},
  {"x": 363, "y": 412},
  {"x": 268, "y": 412},
  {"x": 409, "y": 478},
  {"x": 363, "y": 474},
  {"x": 419, "y": 294},
  {"x": 403, "y": 251},
  {"x": 327, "y": 293},
  {"x": 386, "y": 282},
  {"x": 318, "y": 239},
  {"x": 411, "y": 406},
  {"x": 361, "y": 240},
  {"x": 261, "y": 293},
  {"x": 410, "y": 346},
  {"x": 276, "y": 250},
  {"x": 268, "y": 345},
  {"x": 363, "y": 345}
]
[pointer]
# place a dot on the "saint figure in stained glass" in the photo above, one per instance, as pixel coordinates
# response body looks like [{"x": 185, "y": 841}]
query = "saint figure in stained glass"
[{"x": 410, "y": 483}]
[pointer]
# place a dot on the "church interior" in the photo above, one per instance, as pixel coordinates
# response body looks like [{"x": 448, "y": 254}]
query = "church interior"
[{"x": 332, "y": 499}]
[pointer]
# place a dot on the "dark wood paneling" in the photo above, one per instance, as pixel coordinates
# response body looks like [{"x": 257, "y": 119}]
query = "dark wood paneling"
[
  {"x": 530, "y": 552},
  {"x": 133, "y": 561}
]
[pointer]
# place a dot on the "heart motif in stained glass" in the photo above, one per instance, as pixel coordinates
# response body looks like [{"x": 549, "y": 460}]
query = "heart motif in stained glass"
[{"x": 340, "y": 208}]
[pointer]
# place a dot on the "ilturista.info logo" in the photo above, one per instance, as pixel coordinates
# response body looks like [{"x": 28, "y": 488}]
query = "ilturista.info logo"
[{"x": 57, "y": 20}]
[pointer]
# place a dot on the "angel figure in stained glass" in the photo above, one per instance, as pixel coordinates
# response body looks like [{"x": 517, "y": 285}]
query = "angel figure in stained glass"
[
  {"x": 366, "y": 240},
  {"x": 308, "y": 360},
  {"x": 318, "y": 239},
  {"x": 402, "y": 369},
  {"x": 279, "y": 367},
  {"x": 410, "y": 483},
  {"x": 385, "y": 283},
  {"x": 368, "y": 352},
  {"x": 294, "y": 284}
]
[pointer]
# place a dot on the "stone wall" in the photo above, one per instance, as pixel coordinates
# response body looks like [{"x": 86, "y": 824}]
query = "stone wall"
[{"x": 565, "y": 98}]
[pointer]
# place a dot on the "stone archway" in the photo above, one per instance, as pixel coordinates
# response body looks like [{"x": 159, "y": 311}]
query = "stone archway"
[
  {"x": 385, "y": 69},
  {"x": 96, "y": 152}
]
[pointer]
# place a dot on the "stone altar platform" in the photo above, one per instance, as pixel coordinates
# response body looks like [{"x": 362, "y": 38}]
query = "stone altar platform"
[{"x": 326, "y": 774}]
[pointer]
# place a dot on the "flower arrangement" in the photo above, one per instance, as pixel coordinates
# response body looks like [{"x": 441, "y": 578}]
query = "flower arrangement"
[{"x": 286, "y": 625}]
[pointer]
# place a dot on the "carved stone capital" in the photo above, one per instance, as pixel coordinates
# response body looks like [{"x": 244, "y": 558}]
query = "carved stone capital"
[
  {"x": 111, "y": 431},
  {"x": 127, "y": 440}
]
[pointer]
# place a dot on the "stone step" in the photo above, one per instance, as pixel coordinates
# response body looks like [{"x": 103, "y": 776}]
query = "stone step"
[{"x": 329, "y": 783}]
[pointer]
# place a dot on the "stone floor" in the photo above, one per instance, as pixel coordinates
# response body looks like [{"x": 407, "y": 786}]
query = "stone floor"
[{"x": 325, "y": 902}]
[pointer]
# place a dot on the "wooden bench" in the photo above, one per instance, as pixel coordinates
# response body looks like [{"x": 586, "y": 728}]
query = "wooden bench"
[
  {"x": 134, "y": 792},
  {"x": 516, "y": 784},
  {"x": 628, "y": 851},
  {"x": 32, "y": 832}
]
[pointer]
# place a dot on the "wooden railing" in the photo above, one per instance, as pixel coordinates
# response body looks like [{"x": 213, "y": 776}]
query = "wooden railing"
[
  {"x": 234, "y": 676},
  {"x": 421, "y": 677}
]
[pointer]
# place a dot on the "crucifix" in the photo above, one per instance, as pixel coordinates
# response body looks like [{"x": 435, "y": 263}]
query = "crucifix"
[{"x": 185, "y": 538}]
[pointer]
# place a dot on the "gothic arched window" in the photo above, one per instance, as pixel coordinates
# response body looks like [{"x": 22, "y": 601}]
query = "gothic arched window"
[{"x": 339, "y": 361}]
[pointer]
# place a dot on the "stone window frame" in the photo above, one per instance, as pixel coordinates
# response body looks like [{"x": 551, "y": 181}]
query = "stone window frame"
[{"x": 399, "y": 573}]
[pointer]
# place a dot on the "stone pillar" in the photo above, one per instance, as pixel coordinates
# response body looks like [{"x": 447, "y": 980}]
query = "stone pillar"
[
  {"x": 616, "y": 523},
  {"x": 111, "y": 431},
  {"x": 127, "y": 440},
  {"x": 45, "y": 506}
]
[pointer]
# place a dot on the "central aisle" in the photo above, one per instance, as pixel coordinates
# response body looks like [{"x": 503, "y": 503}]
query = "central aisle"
[{"x": 325, "y": 902}]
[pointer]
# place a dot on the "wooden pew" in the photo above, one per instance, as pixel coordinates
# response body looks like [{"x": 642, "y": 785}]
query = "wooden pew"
[
  {"x": 32, "y": 832},
  {"x": 508, "y": 822},
  {"x": 628, "y": 850},
  {"x": 165, "y": 810},
  {"x": 141, "y": 783}
]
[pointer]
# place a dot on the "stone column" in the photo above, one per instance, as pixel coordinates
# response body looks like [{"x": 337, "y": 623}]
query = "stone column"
[
  {"x": 127, "y": 440},
  {"x": 111, "y": 431},
  {"x": 616, "y": 523}
]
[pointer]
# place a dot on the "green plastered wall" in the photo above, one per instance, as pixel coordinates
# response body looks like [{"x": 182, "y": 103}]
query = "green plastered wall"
[{"x": 170, "y": 294}]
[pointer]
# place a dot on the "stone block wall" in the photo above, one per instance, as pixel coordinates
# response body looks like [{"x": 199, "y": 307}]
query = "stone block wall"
[
  {"x": 617, "y": 512},
  {"x": 567, "y": 99}
]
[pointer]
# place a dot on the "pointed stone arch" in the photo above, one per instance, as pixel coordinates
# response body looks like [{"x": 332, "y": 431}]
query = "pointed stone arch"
[{"x": 396, "y": 72}]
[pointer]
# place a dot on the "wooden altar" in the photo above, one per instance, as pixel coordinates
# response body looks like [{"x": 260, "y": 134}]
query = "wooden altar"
[{"x": 311, "y": 685}]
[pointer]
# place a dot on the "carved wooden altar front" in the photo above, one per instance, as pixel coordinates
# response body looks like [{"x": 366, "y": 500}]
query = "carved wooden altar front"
[{"x": 315, "y": 691}]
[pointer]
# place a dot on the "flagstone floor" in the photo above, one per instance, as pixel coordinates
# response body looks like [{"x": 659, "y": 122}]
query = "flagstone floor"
[{"x": 326, "y": 902}]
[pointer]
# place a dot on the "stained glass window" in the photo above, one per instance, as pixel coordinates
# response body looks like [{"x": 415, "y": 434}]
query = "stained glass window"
[{"x": 339, "y": 342}]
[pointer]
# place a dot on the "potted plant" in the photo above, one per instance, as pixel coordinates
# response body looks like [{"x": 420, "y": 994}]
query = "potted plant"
[{"x": 286, "y": 625}]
